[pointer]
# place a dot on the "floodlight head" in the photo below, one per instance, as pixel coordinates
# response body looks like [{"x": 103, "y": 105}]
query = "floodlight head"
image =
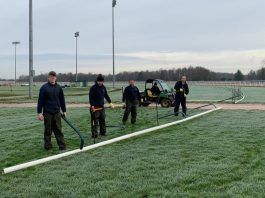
[
  {"x": 114, "y": 2},
  {"x": 77, "y": 34},
  {"x": 15, "y": 42}
]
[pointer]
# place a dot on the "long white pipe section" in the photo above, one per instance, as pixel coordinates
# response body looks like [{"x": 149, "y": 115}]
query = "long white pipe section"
[
  {"x": 243, "y": 97},
  {"x": 124, "y": 137}
]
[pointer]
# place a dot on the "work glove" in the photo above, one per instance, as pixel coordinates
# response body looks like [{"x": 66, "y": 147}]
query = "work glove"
[
  {"x": 185, "y": 95},
  {"x": 111, "y": 106},
  {"x": 40, "y": 117},
  {"x": 181, "y": 90},
  {"x": 65, "y": 114}
]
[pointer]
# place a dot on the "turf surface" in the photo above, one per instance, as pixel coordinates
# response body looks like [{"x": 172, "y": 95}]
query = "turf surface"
[{"x": 217, "y": 155}]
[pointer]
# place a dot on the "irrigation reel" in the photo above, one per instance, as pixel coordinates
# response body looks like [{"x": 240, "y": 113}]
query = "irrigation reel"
[{"x": 237, "y": 95}]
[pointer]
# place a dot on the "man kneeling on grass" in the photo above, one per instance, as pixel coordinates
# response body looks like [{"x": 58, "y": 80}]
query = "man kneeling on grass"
[{"x": 51, "y": 100}]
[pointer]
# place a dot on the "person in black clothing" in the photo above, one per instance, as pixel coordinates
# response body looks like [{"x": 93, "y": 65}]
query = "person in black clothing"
[
  {"x": 131, "y": 97},
  {"x": 155, "y": 90},
  {"x": 97, "y": 94},
  {"x": 182, "y": 90},
  {"x": 51, "y": 100}
]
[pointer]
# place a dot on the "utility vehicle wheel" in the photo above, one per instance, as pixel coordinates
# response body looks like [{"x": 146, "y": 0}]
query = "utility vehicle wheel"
[{"x": 165, "y": 103}]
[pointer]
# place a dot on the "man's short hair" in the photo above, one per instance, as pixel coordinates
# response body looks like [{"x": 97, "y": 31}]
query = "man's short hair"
[{"x": 52, "y": 73}]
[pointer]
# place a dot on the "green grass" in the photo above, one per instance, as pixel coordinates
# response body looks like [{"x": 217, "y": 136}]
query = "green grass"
[
  {"x": 216, "y": 155},
  {"x": 254, "y": 94},
  {"x": 80, "y": 94},
  {"x": 7, "y": 91},
  {"x": 26, "y": 129}
]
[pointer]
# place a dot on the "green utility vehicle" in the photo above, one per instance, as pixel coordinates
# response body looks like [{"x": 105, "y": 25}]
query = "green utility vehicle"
[{"x": 164, "y": 96}]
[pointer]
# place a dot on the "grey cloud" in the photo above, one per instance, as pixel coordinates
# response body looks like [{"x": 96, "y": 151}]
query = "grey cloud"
[{"x": 149, "y": 26}]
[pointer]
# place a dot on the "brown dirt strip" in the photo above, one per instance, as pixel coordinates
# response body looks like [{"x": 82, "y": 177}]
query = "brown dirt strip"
[{"x": 190, "y": 106}]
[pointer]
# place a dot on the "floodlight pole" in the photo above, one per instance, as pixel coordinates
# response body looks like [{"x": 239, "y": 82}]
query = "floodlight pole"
[
  {"x": 30, "y": 51},
  {"x": 76, "y": 35},
  {"x": 16, "y": 43},
  {"x": 113, "y": 47}
]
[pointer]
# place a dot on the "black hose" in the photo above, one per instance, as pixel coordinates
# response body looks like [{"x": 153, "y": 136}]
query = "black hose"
[{"x": 75, "y": 129}]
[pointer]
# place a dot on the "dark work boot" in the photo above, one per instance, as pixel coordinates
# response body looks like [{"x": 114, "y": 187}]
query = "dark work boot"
[
  {"x": 62, "y": 148},
  {"x": 94, "y": 135},
  {"x": 47, "y": 148},
  {"x": 133, "y": 120},
  {"x": 184, "y": 113},
  {"x": 176, "y": 111},
  {"x": 103, "y": 134}
]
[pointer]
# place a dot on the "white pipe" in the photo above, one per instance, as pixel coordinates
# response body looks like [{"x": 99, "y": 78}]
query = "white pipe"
[
  {"x": 240, "y": 99},
  {"x": 54, "y": 157}
]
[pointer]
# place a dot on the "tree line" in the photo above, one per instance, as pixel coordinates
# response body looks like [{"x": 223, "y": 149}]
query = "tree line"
[
  {"x": 193, "y": 73},
  {"x": 252, "y": 75}
]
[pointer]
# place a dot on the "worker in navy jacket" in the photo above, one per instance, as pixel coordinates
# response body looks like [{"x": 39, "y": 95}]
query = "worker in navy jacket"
[
  {"x": 51, "y": 101},
  {"x": 182, "y": 90},
  {"x": 131, "y": 97},
  {"x": 97, "y": 94}
]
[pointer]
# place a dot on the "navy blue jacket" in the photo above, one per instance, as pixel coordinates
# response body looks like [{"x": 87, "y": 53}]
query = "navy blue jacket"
[
  {"x": 179, "y": 86},
  {"x": 51, "y": 99},
  {"x": 131, "y": 94},
  {"x": 97, "y": 94}
]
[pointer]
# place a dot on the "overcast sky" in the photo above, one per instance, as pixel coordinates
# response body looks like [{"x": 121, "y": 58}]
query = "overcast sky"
[{"x": 222, "y": 35}]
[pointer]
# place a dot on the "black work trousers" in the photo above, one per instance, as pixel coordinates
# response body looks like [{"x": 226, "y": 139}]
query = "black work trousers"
[
  {"x": 52, "y": 123},
  {"x": 131, "y": 108},
  {"x": 182, "y": 101},
  {"x": 98, "y": 119}
]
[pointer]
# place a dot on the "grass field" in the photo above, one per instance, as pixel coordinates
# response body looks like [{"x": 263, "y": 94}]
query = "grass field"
[
  {"x": 79, "y": 95},
  {"x": 213, "y": 156}
]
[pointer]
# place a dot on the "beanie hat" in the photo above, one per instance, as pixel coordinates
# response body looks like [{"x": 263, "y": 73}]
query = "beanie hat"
[{"x": 100, "y": 78}]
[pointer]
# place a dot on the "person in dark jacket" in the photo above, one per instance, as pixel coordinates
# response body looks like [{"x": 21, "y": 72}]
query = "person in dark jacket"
[
  {"x": 182, "y": 90},
  {"x": 97, "y": 94},
  {"x": 131, "y": 97},
  {"x": 51, "y": 100},
  {"x": 155, "y": 90}
]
